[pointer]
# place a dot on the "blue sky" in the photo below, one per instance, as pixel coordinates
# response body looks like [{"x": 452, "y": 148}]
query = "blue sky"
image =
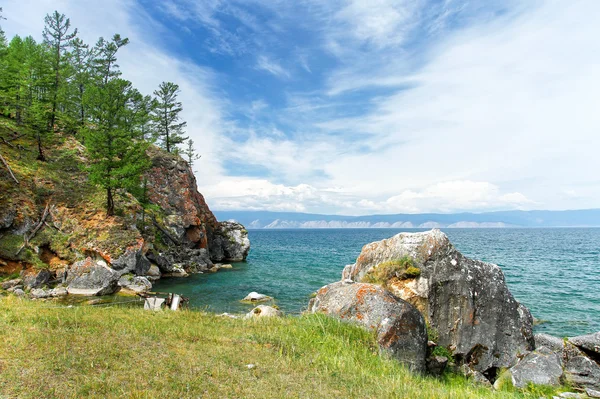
[{"x": 359, "y": 107}]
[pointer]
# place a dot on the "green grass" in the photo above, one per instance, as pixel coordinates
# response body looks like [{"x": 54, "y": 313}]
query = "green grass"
[
  {"x": 384, "y": 272},
  {"x": 130, "y": 353}
]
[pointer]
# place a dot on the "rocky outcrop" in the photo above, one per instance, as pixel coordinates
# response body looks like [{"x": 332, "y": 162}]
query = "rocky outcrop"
[
  {"x": 92, "y": 278},
  {"x": 465, "y": 301},
  {"x": 230, "y": 242},
  {"x": 574, "y": 360},
  {"x": 177, "y": 236},
  {"x": 400, "y": 328}
]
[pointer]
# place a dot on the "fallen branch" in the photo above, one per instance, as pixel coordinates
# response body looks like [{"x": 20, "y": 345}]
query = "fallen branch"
[
  {"x": 9, "y": 169},
  {"x": 35, "y": 230},
  {"x": 165, "y": 232}
]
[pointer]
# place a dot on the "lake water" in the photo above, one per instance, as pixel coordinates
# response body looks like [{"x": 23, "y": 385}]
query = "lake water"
[{"x": 554, "y": 272}]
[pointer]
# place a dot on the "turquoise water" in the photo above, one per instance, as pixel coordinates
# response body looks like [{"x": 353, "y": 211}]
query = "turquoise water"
[{"x": 554, "y": 272}]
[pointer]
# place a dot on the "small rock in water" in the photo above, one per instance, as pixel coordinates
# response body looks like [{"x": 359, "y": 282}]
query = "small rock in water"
[
  {"x": 226, "y": 266},
  {"x": 256, "y": 297}
]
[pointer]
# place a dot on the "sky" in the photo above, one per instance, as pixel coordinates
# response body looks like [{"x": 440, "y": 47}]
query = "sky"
[{"x": 362, "y": 107}]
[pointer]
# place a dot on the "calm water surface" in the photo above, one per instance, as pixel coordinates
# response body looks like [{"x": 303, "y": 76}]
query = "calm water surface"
[{"x": 554, "y": 272}]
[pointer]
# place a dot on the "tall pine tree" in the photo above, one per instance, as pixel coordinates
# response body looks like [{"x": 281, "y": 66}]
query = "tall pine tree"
[
  {"x": 105, "y": 58},
  {"x": 57, "y": 37},
  {"x": 117, "y": 157},
  {"x": 168, "y": 127},
  {"x": 80, "y": 62}
]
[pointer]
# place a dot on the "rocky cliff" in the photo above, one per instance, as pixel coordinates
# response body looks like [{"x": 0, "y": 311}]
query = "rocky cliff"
[{"x": 54, "y": 230}]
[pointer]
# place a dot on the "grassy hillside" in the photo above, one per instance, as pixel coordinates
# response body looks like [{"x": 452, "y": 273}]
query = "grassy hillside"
[{"x": 57, "y": 352}]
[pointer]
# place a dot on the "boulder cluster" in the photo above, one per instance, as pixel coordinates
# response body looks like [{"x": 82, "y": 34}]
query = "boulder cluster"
[{"x": 432, "y": 308}]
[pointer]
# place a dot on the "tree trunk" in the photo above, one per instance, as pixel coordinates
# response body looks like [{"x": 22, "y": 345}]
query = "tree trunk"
[
  {"x": 110, "y": 205},
  {"x": 41, "y": 156}
]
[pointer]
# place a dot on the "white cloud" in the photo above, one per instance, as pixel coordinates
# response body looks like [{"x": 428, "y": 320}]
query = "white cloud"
[{"x": 266, "y": 64}]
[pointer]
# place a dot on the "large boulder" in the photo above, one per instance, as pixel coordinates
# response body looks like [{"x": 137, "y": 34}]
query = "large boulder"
[
  {"x": 230, "y": 243},
  {"x": 90, "y": 278},
  {"x": 542, "y": 367},
  {"x": 401, "y": 330},
  {"x": 466, "y": 301}
]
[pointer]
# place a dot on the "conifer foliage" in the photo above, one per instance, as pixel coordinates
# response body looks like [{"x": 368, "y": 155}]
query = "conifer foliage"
[
  {"x": 168, "y": 124},
  {"x": 64, "y": 86}
]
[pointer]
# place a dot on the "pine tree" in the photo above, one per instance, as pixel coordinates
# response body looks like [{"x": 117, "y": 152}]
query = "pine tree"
[
  {"x": 57, "y": 37},
  {"x": 118, "y": 158},
  {"x": 105, "y": 58},
  {"x": 190, "y": 153},
  {"x": 80, "y": 61},
  {"x": 167, "y": 126}
]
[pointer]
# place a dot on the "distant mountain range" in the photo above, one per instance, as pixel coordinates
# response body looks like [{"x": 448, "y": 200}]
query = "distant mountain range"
[{"x": 292, "y": 220}]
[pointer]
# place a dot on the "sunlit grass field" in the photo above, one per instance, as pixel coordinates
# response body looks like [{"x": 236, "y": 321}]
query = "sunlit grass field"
[{"x": 117, "y": 352}]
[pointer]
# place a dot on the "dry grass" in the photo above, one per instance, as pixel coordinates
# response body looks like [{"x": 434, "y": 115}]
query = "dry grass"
[{"x": 129, "y": 353}]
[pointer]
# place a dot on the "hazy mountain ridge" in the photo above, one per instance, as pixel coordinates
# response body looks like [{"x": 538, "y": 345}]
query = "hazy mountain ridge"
[{"x": 503, "y": 219}]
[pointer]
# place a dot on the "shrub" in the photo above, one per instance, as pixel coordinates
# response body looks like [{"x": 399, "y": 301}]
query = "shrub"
[{"x": 397, "y": 269}]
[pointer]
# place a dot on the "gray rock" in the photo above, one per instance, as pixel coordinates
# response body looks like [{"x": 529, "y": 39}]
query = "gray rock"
[
  {"x": 16, "y": 287},
  {"x": 36, "y": 279},
  {"x": 58, "y": 292},
  {"x": 40, "y": 293},
  {"x": 555, "y": 344},
  {"x": 581, "y": 371},
  {"x": 177, "y": 270},
  {"x": 153, "y": 273},
  {"x": 91, "y": 278},
  {"x": 400, "y": 328},
  {"x": 263, "y": 311},
  {"x": 132, "y": 261},
  {"x": 466, "y": 301},
  {"x": 135, "y": 284},
  {"x": 6, "y": 285},
  {"x": 592, "y": 393},
  {"x": 542, "y": 367},
  {"x": 19, "y": 292},
  {"x": 230, "y": 243},
  {"x": 436, "y": 365},
  {"x": 570, "y": 395},
  {"x": 588, "y": 343}
]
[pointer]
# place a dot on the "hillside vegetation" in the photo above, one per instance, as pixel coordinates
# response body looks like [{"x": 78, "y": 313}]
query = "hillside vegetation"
[{"x": 53, "y": 351}]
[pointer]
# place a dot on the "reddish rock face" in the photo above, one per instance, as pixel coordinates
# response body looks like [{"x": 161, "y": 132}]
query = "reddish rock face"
[{"x": 172, "y": 186}]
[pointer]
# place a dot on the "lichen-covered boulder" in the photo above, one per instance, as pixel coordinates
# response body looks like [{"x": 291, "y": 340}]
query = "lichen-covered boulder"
[
  {"x": 230, "y": 242},
  {"x": 542, "y": 367},
  {"x": 465, "y": 300},
  {"x": 401, "y": 330},
  {"x": 90, "y": 278}
]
